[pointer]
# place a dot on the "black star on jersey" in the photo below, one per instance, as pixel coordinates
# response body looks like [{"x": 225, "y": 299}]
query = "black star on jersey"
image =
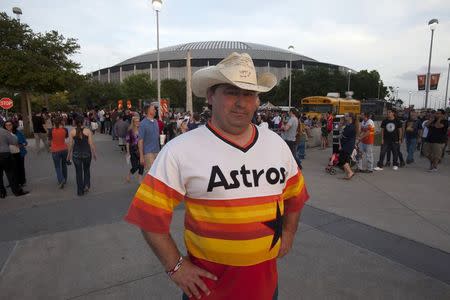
[{"x": 277, "y": 226}]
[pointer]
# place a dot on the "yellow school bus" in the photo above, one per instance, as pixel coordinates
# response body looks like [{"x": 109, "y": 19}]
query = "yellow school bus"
[{"x": 315, "y": 106}]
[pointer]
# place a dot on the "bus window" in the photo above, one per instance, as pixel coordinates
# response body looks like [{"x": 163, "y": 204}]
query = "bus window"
[{"x": 317, "y": 108}]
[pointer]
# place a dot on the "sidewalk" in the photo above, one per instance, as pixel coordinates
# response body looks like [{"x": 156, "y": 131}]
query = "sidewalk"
[{"x": 55, "y": 245}]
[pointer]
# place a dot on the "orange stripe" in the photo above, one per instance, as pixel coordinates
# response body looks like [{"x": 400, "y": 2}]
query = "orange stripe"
[
  {"x": 246, "y": 231},
  {"x": 161, "y": 187},
  {"x": 235, "y": 202}
]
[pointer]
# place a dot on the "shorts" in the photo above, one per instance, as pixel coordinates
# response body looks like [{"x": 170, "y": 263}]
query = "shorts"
[
  {"x": 433, "y": 150},
  {"x": 344, "y": 158},
  {"x": 121, "y": 141},
  {"x": 149, "y": 159}
]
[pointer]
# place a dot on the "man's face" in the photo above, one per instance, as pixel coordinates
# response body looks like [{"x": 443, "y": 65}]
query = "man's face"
[
  {"x": 390, "y": 114},
  {"x": 232, "y": 107},
  {"x": 413, "y": 115},
  {"x": 151, "y": 111}
]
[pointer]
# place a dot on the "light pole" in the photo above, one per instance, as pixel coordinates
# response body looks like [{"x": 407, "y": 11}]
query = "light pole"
[
  {"x": 379, "y": 86},
  {"x": 409, "y": 101},
  {"x": 432, "y": 23},
  {"x": 348, "y": 86},
  {"x": 396, "y": 94},
  {"x": 446, "y": 88},
  {"x": 157, "y": 7},
  {"x": 18, "y": 12},
  {"x": 290, "y": 75}
]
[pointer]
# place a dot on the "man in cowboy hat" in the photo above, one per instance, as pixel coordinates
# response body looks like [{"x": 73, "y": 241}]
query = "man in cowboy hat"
[{"x": 242, "y": 189}]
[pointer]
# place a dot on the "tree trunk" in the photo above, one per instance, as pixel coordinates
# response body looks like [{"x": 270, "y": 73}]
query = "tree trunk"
[{"x": 24, "y": 109}]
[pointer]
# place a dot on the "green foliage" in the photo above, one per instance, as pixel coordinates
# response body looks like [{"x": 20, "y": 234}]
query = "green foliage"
[
  {"x": 35, "y": 62},
  {"x": 318, "y": 81},
  {"x": 139, "y": 86},
  {"x": 175, "y": 90},
  {"x": 90, "y": 93}
]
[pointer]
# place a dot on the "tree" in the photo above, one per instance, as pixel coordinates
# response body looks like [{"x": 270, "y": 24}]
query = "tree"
[
  {"x": 34, "y": 62},
  {"x": 175, "y": 90},
  {"x": 139, "y": 87},
  {"x": 91, "y": 93}
]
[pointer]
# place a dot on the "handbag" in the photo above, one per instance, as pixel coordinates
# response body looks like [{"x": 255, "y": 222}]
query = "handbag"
[{"x": 94, "y": 125}]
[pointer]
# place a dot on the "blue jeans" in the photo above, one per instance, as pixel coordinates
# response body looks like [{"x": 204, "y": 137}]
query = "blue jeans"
[
  {"x": 59, "y": 159},
  {"x": 410, "y": 148},
  {"x": 82, "y": 162},
  {"x": 301, "y": 147}
]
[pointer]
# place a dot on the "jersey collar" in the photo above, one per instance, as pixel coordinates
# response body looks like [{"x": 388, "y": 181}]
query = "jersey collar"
[{"x": 244, "y": 148}]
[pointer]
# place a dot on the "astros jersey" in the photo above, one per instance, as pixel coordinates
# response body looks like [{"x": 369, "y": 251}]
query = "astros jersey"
[{"x": 235, "y": 199}]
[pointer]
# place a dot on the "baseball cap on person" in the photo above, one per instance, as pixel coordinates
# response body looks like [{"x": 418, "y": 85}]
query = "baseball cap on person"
[{"x": 237, "y": 70}]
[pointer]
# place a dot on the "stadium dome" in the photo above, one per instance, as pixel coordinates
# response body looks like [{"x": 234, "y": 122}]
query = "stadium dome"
[{"x": 173, "y": 60}]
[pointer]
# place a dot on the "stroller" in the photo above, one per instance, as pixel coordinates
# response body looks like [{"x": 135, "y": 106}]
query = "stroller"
[{"x": 332, "y": 164}]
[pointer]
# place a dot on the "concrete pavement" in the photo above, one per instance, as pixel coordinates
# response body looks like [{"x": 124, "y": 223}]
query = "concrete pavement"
[{"x": 378, "y": 236}]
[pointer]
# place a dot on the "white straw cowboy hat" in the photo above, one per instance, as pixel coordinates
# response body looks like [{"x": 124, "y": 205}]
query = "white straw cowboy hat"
[{"x": 236, "y": 69}]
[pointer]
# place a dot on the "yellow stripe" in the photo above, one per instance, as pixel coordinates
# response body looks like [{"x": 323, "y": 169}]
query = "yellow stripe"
[
  {"x": 231, "y": 252},
  {"x": 294, "y": 190},
  {"x": 152, "y": 197},
  {"x": 234, "y": 215}
]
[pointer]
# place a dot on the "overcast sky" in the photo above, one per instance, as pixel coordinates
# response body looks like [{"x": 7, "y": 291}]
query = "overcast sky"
[{"x": 389, "y": 36}]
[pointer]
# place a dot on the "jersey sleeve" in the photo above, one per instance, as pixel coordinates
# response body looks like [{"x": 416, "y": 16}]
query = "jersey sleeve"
[
  {"x": 295, "y": 193},
  {"x": 159, "y": 193}
]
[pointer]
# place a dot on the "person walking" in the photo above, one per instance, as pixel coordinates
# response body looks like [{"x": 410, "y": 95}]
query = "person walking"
[
  {"x": 437, "y": 135},
  {"x": 18, "y": 153},
  {"x": 81, "y": 149},
  {"x": 39, "y": 131},
  {"x": 290, "y": 130},
  {"x": 7, "y": 139},
  {"x": 367, "y": 138},
  {"x": 121, "y": 130},
  {"x": 242, "y": 189},
  {"x": 148, "y": 143},
  {"x": 347, "y": 144},
  {"x": 132, "y": 139},
  {"x": 59, "y": 151}
]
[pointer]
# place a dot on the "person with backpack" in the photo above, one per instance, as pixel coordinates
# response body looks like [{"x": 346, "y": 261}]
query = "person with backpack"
[{"x": 58, "y": 148}]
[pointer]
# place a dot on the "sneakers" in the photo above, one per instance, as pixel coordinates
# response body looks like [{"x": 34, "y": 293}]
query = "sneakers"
[
  {"x": 378, "y": 169},
  {"x": 402, "y": 164},
  {"x": 432, "y": 170},
  {"x": 395, "y": 168}
]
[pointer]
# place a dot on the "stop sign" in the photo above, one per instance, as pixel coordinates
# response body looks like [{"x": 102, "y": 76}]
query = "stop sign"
[{"x": 6, "y": 103}]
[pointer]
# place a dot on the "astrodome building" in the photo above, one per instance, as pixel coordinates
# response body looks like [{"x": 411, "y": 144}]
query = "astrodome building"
[{"x": 173, "y": 60}]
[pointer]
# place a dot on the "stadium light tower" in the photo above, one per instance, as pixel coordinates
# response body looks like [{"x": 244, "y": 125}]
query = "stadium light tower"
[
  {"x": 157, "y": 4},
  {"x": 432, "y": 24},
  {"x": 290, "y": 75}
]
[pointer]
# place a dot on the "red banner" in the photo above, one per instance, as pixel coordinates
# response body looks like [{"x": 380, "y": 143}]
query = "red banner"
[
  {"x": 434, "y": 80},
  {"x": 164, "y": 107},
  {"x": 421, "y": 82}
]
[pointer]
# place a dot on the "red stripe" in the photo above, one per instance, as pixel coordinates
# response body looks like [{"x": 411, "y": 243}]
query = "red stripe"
[
  {"x": 235, "y": 202},
  {"x": 148, "y": 217},
  {"x": 246, "y": 231},
  {"x": 161, "y": 187},
  {"x": 296, "y": 203}
]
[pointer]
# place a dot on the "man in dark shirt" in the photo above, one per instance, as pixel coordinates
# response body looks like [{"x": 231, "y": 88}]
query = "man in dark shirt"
[
  {"x": 39, "y": 131},
  {"x": 391, "y": 134},
  {"x": 437, "y": 135}
]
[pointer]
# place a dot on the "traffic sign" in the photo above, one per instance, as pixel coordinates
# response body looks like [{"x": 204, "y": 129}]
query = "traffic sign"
[{"x": 6, "y": 103}]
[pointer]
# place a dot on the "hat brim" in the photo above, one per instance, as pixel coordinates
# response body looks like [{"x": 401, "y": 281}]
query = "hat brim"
[{"x": 210, "y": 76}]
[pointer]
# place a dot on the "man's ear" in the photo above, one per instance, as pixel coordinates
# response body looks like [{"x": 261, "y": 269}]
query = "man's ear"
[{"x": 209, "y": 96}]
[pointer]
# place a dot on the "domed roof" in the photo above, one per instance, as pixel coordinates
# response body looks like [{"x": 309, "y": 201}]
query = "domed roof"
[{"x": 217, "y": 50}]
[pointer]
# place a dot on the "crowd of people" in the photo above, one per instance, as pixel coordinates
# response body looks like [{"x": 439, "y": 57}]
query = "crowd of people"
[{"x": 140, "y": 134}]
